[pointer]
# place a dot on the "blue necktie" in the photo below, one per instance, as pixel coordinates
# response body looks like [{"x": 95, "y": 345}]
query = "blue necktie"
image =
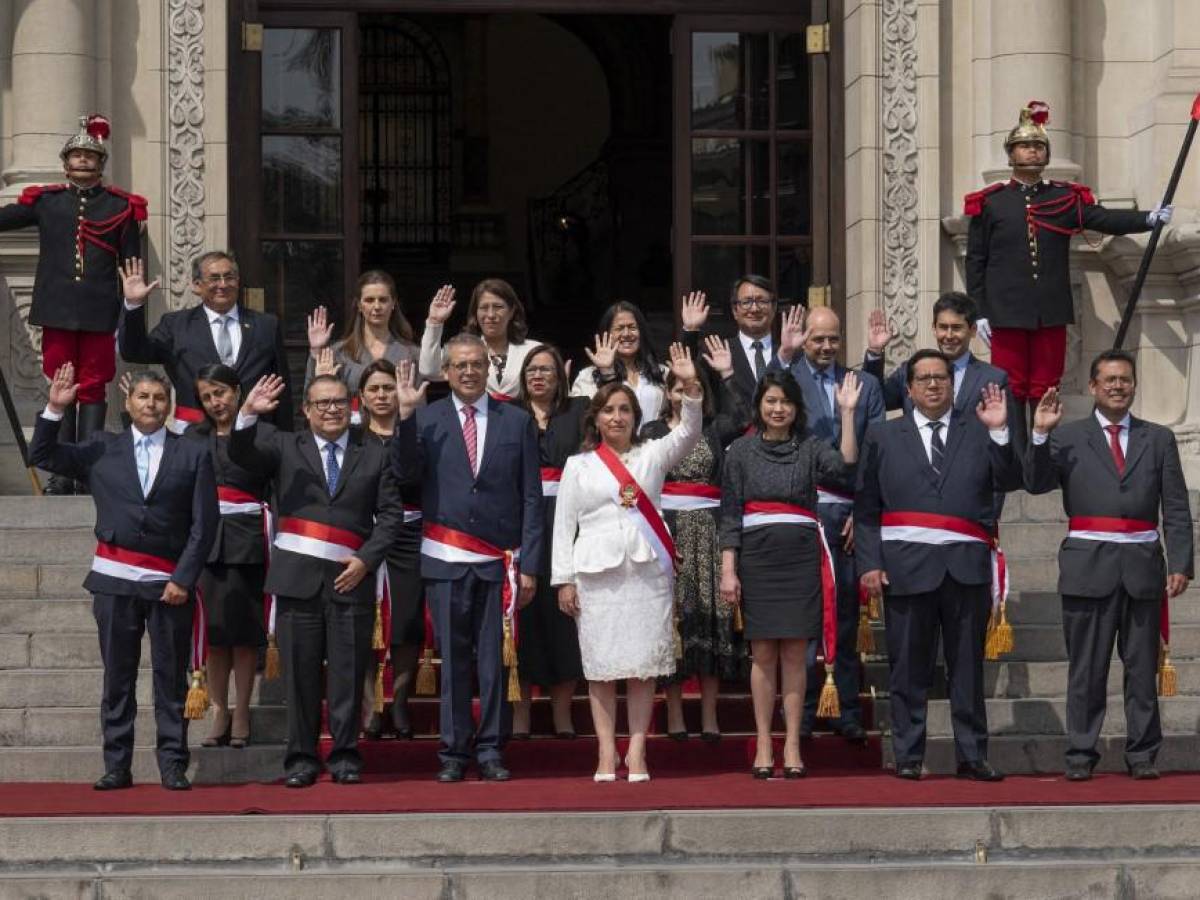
[
  {"x": 332, "y": 469},
  {"x": 143, "y": 463},
  {"x": 823, "y": 380}
]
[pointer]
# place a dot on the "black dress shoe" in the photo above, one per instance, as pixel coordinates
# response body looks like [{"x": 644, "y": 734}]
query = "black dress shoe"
[
  {"x": 1079, "y": 772},
  {"x": 300, "y": 779},
  {"x": 117, "y": 780},
  {"x": 1143, "y": 771},
  {"x": 679, "y": 736},
  {"x": 175, "y": 780},
  {"x": 350, "y": 776},
  {"x": 762, "y": 773},
  {"x": 710, "y": 737},
  {"x": 979, "y": 770},
  {"x": 373, "y": 730},
  {"x": 909, "y": 771},
  {"x": 452, "y": 771},
  {"x": 794, "y": 772},
  {"x": 493, "y": 770},
  {"x": 854, "y": 733}
]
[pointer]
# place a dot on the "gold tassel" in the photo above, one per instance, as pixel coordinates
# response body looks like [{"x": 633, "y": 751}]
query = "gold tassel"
[
  {"x": 509, "y": 657},
  {"x": 866, "y": 638},
  {"x": 514, "y": 684},
  {"x": 990, "y": 650},
  {"x": 377, "y": 636},
  {"x": 1168, "y": 678},
  {"x": 426, "y": 677},
  {"x": 739, "y": 625},
  {"x": 379, "y": 688},
  {"x": 196, "y": 706},
  {"x": 272, "y": 667},
  {"x": 828, "y": 707},
  {"x": 874, "y": 608},
  {"x": 1004, "y": 633}
]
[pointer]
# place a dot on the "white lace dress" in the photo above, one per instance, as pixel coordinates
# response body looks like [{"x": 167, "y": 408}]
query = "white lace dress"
[{"x": 625, "y": 600}]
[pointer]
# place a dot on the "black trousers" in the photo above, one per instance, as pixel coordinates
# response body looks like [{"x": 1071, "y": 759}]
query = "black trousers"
[
  {"x": 846, "y": 667},
  {"x": 1090, "y": 626},
  {"x": 313, "y": 631},
  {"x": 121, "y": 620},
  {"x": 959, "y": 612},
  {"x": 467, "y": 621}
]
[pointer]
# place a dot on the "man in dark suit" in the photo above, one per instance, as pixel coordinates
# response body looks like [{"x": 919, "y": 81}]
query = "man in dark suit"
[
  {"x": 1115, "y": 472},
  {"x": 753, "y": 304},
  {"x": 218, "y": 330},
  {"x": 156, "y": 518},
  {"x": 809, "y": 348},
  {"x": 338, "y": 512},
  {"x": 923, "y": 524},
  {"x": 476, "y": 461}
]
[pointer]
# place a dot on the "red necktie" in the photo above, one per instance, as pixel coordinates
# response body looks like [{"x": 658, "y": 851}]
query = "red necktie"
[
  {"x": 471, "y": 436},
  {"x": 1114, "y": 444}
]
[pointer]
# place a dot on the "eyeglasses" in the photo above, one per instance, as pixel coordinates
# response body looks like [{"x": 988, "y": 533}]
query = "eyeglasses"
[
  {"x": 754, "y": 303},
  {"x": 1115, "y": 381},
  {"x": 469, "y": 366},
  {"x": 220, "y": 278},
  {"x": 331, "y": 403},
  {"x": 926, "y": 380},
  {"x": 540, "y": 370}
]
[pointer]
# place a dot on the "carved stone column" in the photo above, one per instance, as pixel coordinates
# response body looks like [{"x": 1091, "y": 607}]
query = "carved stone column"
[{"x": 185, "y": 143}]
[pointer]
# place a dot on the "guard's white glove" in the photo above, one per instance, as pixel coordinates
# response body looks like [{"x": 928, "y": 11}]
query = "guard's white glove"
[
  {"x": 985, "y": 332},
  {"x": 1159, "y": 214}
]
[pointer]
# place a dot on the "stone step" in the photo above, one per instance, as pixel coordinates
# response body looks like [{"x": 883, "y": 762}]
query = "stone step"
[
  {"x": 1042, "y": 753},
  {"x": 67, "y": 687},
  {"x": 47, "y": 545},
  {"x": 49, "y": 580},
  {"x": 1031, "y": 607},
  {"x": 1019, "y": 679}
]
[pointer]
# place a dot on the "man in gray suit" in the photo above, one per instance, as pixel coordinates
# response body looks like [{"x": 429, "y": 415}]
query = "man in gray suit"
[
  {"x": 924, "y": 531},
  {"x": 1115, "y": 472},
  {"x": 810, "y": 348}
]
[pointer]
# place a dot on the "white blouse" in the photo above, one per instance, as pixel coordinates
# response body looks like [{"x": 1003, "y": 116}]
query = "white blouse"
[
  {"x": 650, "y": 396},
  {"x": 591, "y": 532},
  {"x": 433, "y": 354}
]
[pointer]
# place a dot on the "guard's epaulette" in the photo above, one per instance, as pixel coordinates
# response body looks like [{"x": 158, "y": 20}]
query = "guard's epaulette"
[
  {"x": 136, "y": 201},
  {"x": 1082, "y": 191},
  {"x": 30, "y": 195},
  {"x": 973, "y": 202}
]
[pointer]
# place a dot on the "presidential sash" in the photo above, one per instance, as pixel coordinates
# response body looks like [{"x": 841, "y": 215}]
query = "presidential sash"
[{"x": 644, "y": 515}]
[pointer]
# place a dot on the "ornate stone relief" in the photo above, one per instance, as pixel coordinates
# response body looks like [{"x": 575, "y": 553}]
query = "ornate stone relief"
[
  {"x": 185, "y": 144},
  {"x": 899, "y": 114}
]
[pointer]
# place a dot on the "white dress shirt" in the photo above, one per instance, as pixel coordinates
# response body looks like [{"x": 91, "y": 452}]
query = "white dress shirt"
[
  {"x": 157, "y": 441},
  {"x": 650, "y": 396},
  {"x": 234, "y": 327},
  {"x": 998, "y": 435},
  {"x": 746, "y": 341},
  {"x": 481, "y": 411},
  {"x": 959, "y": 369},
  {"x": 827, "y": 381},
  {"x": 340, "y": 452},
  {"x": 1037, "y": 438}
]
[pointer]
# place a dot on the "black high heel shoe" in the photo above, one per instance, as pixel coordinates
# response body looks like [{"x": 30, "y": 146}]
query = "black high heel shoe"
[
  {"x": 239, "y": 742},
  {"x": 794, "y": 772},
  {"x": 373, "y": 730},
  {"x": 400, "y": 721},
  {"x": 762, "y": 773}
]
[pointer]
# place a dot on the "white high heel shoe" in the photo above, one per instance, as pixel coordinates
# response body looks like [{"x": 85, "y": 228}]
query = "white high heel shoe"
[
  {"x": 635, "y": 778},
  {"x": 604, "y": 777}
]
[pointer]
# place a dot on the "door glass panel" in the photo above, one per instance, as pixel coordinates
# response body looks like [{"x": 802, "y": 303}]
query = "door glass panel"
[
  {"x": 795, "y": 266},
  {"x": 760, "y": 187},
  {"x": 795, "y": 188},
  {"x": 302, "y": 184},
  {"x": 301, "y": 78},
  {"x": 791, "y": 82},
  {"x": 715, "y": 267},
  {"x": 756, "y": 48},
  {"x": 300, "y": 276},
  {"x": 716, "y": 80},
  {"x": 718, "y": 186}
]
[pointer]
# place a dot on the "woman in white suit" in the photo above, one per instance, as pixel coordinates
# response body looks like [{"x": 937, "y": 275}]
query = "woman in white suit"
[{"x": 612, "y": 562}]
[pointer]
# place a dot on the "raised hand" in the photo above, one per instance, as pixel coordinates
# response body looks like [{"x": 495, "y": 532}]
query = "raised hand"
[
  {"x": 320, "y": 329},
  {"x": 682, "y": 366},
  {"x": 264, "y": 396},
  {"x": 62, "y": 390},
  {"x": 792, "y": 334},
  {"x": 693, "y": 312},
  {"x": 133, "y": 281},
  {"x": 848, "y": 392},
  {"x": 1048, "y": 413},
  {"x": 718, "y": 357},
  {"x": 126, "y": 383},
  {"x": 326, "y": 365},
  {"x": 441, "y": 305},
  {"x": 879, "y": 331},
  {"x": 604, "y": 357},
  {"x": 992, "y": 410},
  {"x": 408, "y": 395}
]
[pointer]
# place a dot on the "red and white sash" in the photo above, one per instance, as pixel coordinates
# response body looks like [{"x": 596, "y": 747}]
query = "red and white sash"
[
  {"x": 628, "y": 494},
  {"x": 690, "y": 495},
  {"x": 550, "y": 480},
  {"x": 453, "y": 546},
  {"x": 412, "y": 513},
  {"x": 183, "y": 416},
  {"x": 829, "y": 495},
  {"x": 1112, "y": 530},
  {"x": 316, "y": 539},
  {"x": 236, "y": 502},
  {"x": 934, "y": 528},
  {"x": 130, "y": 565},
  {"x": 500, "y": 396}
]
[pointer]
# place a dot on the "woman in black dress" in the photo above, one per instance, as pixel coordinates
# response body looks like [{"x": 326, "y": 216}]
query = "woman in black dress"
[
  {"x": 712, "y": 648},
  {"x": 771, "y": 555},
  {"x": 232, "y": 582},
  {"x": 549, "y": 642}
]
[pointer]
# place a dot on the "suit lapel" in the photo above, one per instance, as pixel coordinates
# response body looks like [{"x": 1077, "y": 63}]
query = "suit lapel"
[
  {"x": 247, "y": 322},
  {"x": 349, "y": 461},
  {"x": 1098, "y": 441},
  {"x": 129, "y": 459},
  {"x": 495, "y": 416},
  {"x": 954, "y": 437},
  {"x": 1138, "y": 441},
  {"x": 968, "y": 392},
  {"x": 168, "y": 454},
  {"x": 307, "y": 445},
  {"x": 452, "y": 422},
  {"x": 202, "y": 335},
  {"x": 743, "y": 369},
  {"x": 917, "y": 448}
]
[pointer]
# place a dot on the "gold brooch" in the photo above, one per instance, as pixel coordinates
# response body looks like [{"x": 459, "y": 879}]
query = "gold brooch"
[{"x": 628, "y": 496}]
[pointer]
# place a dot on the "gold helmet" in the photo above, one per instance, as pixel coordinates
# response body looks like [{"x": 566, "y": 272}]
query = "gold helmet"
[
  {"x": 1031, "y": 127},
  {"x": 93, "y": 135}
]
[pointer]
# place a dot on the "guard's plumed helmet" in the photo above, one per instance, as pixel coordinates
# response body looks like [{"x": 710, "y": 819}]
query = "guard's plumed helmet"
[
  {"x": 1031, "y": 127},
  {"x": 93, "y": 135}
]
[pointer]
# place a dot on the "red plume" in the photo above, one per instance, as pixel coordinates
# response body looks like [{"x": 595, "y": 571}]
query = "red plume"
[
  {"x": 98, "y": 127},
  {"x": 1039, "y": 112}
]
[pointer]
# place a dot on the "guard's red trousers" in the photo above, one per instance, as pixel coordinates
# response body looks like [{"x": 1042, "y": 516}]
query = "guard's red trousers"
[
  {"x": 1032, "y": 358},
  {"x": 93, "y": 354}
]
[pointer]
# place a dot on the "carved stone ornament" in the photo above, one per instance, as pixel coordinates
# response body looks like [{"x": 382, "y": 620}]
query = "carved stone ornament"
[
  {"x": 185, "y": 143},
  {"x": 899, "y": 114}
]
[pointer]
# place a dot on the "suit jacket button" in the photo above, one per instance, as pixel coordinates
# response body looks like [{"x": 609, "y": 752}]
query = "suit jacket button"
[{"x": 474, "y": 490}]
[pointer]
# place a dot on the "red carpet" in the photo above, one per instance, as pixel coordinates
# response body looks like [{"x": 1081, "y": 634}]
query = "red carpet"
[{"x": 420, "y": 794}]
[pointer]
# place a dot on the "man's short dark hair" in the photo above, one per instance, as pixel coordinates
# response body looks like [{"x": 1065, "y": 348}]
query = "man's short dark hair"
[
  {"x": 142, "y": 375},
  {"x": 759, "y": 281},
  {"x": 1112, "y": 356},
  {"x": 203, "y": 259},
  {"x": 921, "y": 355},
  {"x": 325, "y": 379},
  {"x": 958, "y": 303}
]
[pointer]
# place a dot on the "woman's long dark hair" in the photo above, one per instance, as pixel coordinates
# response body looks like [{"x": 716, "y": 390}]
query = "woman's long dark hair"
[
  {"x": 648, "y": 363},
  {"x": 591, "y": 432},
  {"x": 398, "y": 326},
  {"x": 560, "y": 373},
  {"x": 498, "y": 287},
  {"x": 786, "y": 383},
  {"x": 221, "y": 374}
]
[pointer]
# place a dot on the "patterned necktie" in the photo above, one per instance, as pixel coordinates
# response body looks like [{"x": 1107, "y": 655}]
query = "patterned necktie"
[
  {"x": 332, "y": 470},
  {"x": 143, "y": 463},
  {"x": 937, "y": 449},
  {"x": 471, "y": 438},
  {"x": 760, "y": 361},
  {"x": 821, "y": 376},
  {"x": 224, "y": 341},
  {"x": 1114, "y": 444}
]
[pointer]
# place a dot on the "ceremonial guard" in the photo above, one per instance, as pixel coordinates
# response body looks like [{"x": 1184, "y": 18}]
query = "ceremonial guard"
[
  {"x": 1018, "y": 257},
  {"x": 85, "y": 227}
]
